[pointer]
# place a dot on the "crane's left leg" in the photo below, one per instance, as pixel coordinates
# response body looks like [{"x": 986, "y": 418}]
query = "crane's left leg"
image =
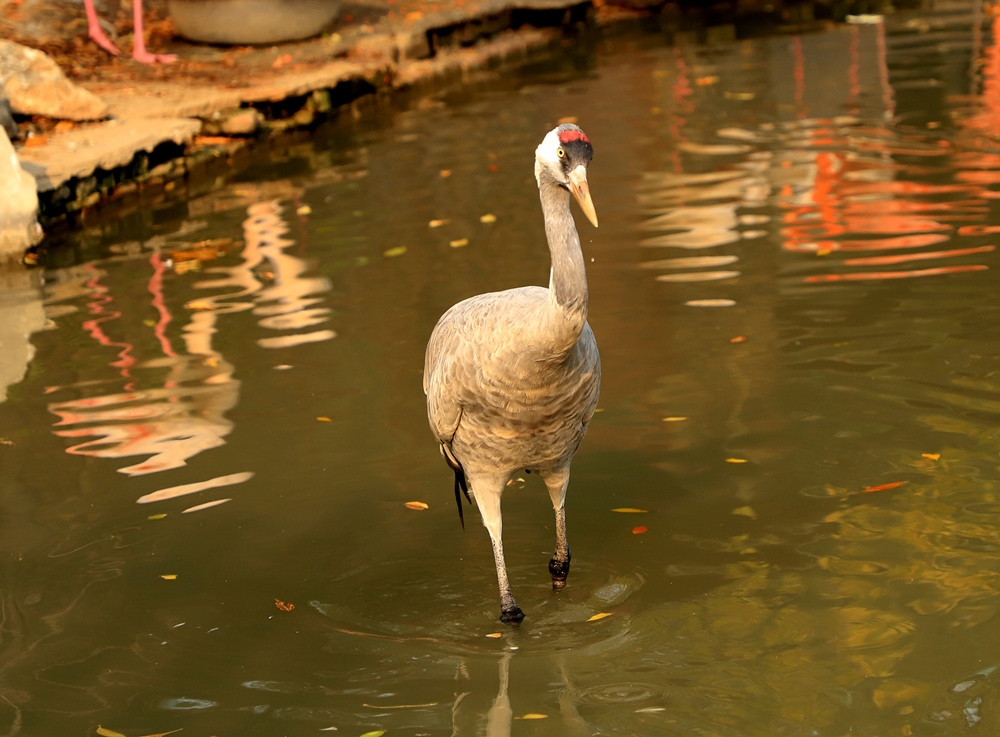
[
  {"x": 139, "y": 52},
  {"x": 557, "y": 483}
]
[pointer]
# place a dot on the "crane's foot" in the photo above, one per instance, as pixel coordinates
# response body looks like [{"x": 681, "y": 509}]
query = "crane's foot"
[
  {"x": 146, "y": 57},
  {"x": 513, "y": 615},
  {"x": 559, "y": 570},
  {"x": 98, "y": 37}
]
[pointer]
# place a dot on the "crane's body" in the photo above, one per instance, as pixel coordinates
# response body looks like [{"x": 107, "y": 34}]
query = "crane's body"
[{"x": 512, "y": 378}]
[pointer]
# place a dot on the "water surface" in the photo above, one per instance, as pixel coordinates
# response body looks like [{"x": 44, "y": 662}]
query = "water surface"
[{"x": 208, "y": 443}]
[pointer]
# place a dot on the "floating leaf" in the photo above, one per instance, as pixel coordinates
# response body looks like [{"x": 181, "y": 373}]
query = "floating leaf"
[
  {"x": 416, "y": 505},
  {"x": 745, "y": 512},
  {"x": 650, "y": 710},
  {"x": 323, "y": 419},
  {"x": 284, "y": 606},
  {"x": 674, "y": 419},
  {"x": 376, "y": 733},
  {"x": 488, "y": 218},
  {"x": 736, "y": 460},
  {"x": 533, "y": 716},
  {"x": 495, "y": 635},
  {"x": 629, "y": 510},
  {"x": 157, "y": 516},
  {"x": 438, "y": 223},
  {"x": 206, "y": 505},
  {"x": 738, "y": 339},
  {"x": 458, "y": 242},
  {"x": 639, "y": 530},
  {"x": 599, "y": 616},
  {"x": 304, "y": 210},
  {"x": 883, "y": 487},
  {"x": 108, "y": 732},
  {"x": 710, "y": 302},
  {"x": 392, "y": 252},
  {"x": 163, "y": 734},
  {"x": 932, "y": 456},
  {"x": 168, "y": 576},
  {"x": 444, "y": 173}
]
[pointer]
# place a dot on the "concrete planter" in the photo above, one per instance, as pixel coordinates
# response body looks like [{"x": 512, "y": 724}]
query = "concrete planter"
[{"x": 251, "y": 21}]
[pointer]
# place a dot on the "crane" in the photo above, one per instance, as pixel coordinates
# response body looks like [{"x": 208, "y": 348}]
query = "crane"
[{"x": 512, "y": 378}]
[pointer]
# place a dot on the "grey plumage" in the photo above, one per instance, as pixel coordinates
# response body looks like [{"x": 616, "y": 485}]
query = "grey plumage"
[{"x": 512, "y": 378}]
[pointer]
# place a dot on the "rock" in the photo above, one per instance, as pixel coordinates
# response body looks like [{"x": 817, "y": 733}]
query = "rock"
[
  {"x": 19, "y": 229},
  {"x": 7, "y": 119},
  {"x": 242, "y": 122},
  {"x": 35, "y": 85}
]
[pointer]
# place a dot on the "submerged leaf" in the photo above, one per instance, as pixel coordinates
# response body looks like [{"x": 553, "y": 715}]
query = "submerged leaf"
[
  {"x": 629, "y": 510},
  {"x": 164, "y": 734},
  {"x": 458, "y": 242},
  {"x": 495, "y": 635},
  {"x": 438, "y": 223},
  {"x": 376, "y": 733},
  {"x": 932, "y": 456},
  {"x": 745, "y": 512},
  {"x": 284, "y": 606},
  {"x": 736, "y": 460},
  {"x": 488, "y": 218},
  {"x": 416, "y": 505},
  {"x": 639, "y": 530},
  {"x": 674, "y": 419},
  {"x": 168, "y": 576},
  {"x": 108, "y": 732},
  {"x": 883, "y": 487},
  {"x": 323, "y": 419},
  {"x": 397, "y": 251},
  {"x": 601, "y": 615},
  {"x": 533, "y": 716},
  {"x": 157, "y": 516}
]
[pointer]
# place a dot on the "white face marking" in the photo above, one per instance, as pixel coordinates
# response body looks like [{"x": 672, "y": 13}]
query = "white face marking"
[{"x": 545, "y": 155}]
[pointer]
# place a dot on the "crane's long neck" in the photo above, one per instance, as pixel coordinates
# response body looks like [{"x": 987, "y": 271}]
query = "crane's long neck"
[{"x": 567, "y": 304}]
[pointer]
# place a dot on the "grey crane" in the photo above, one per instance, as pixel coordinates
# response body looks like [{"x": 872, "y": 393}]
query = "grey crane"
[{"x": 512, "y": 377}]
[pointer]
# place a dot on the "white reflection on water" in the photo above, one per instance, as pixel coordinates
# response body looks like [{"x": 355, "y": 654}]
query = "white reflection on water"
[{"x": 185, "y": 412}]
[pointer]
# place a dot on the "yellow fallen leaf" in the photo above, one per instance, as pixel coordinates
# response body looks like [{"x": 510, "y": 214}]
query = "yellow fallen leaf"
[
  {"x": 323, "y": 419},
  {"x": 438, "y": 223},
  {"x": 108, "y": 732},
  {"x": 416, "y": 505},
  {"x": 745, "y": 512},
  {"x": 533, "y": 716},
  {"x": 932, "y": 456},
  {"x": 168, "y": 576},
  {"x": 495, "y": 635},
  {"x": 674, "y": 419},
  {"x": 488, "y": 218},
  {"x": 629, "y": 510},
  {"x": 392, "y": 252},
  {"x": 157, "y": 516},
  {"x": 736, "y": 460},
  {"x": 601, "y": 615},
  {"x": 304, "y": 210},
  {"x": 458, "y": 242},
  {"x": 376, "y": 733}
]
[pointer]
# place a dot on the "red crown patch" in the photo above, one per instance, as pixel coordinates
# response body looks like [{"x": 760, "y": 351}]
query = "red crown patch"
[{"x": 573, "y": 135}]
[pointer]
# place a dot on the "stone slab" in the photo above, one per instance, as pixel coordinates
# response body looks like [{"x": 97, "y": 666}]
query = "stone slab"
[
  {"x": 165, "y": 100},
  {"x": 82, "y": 151}
]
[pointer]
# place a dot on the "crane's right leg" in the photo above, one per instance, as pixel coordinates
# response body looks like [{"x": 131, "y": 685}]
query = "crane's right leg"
[{"x": 487, "y": 490}]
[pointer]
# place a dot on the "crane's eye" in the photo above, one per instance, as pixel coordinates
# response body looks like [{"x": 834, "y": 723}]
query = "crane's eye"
[{"x": 561, "y": 152}]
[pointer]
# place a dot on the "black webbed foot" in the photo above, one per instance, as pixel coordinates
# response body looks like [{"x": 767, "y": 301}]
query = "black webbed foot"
[
  {"x": 512, "y": 616},
  {"x": 559, "y": 570}
]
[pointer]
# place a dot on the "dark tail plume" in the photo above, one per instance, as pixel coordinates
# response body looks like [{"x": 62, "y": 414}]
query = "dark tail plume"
[{"x": 461, "y": 487}]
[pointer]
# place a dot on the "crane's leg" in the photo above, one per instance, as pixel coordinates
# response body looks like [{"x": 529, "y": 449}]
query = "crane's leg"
[
  {"x": 487, "y": 490},
  {"x": 557, "y": 483},
  {"x": 95, "y": 32},
  {"x": 139, "y": 52}
]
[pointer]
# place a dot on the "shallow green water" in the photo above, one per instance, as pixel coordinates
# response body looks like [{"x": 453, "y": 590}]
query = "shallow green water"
[{"x": 750, "y": 398}]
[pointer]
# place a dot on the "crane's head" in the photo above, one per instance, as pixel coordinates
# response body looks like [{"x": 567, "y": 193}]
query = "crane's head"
[{"x": 563, "y": 156}]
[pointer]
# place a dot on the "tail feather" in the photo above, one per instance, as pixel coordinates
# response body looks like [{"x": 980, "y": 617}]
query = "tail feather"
[{"x": 461, "y": 487}]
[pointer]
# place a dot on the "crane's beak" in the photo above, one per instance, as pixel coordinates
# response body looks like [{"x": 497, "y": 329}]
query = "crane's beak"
[{"x": 581, "y": 191}]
